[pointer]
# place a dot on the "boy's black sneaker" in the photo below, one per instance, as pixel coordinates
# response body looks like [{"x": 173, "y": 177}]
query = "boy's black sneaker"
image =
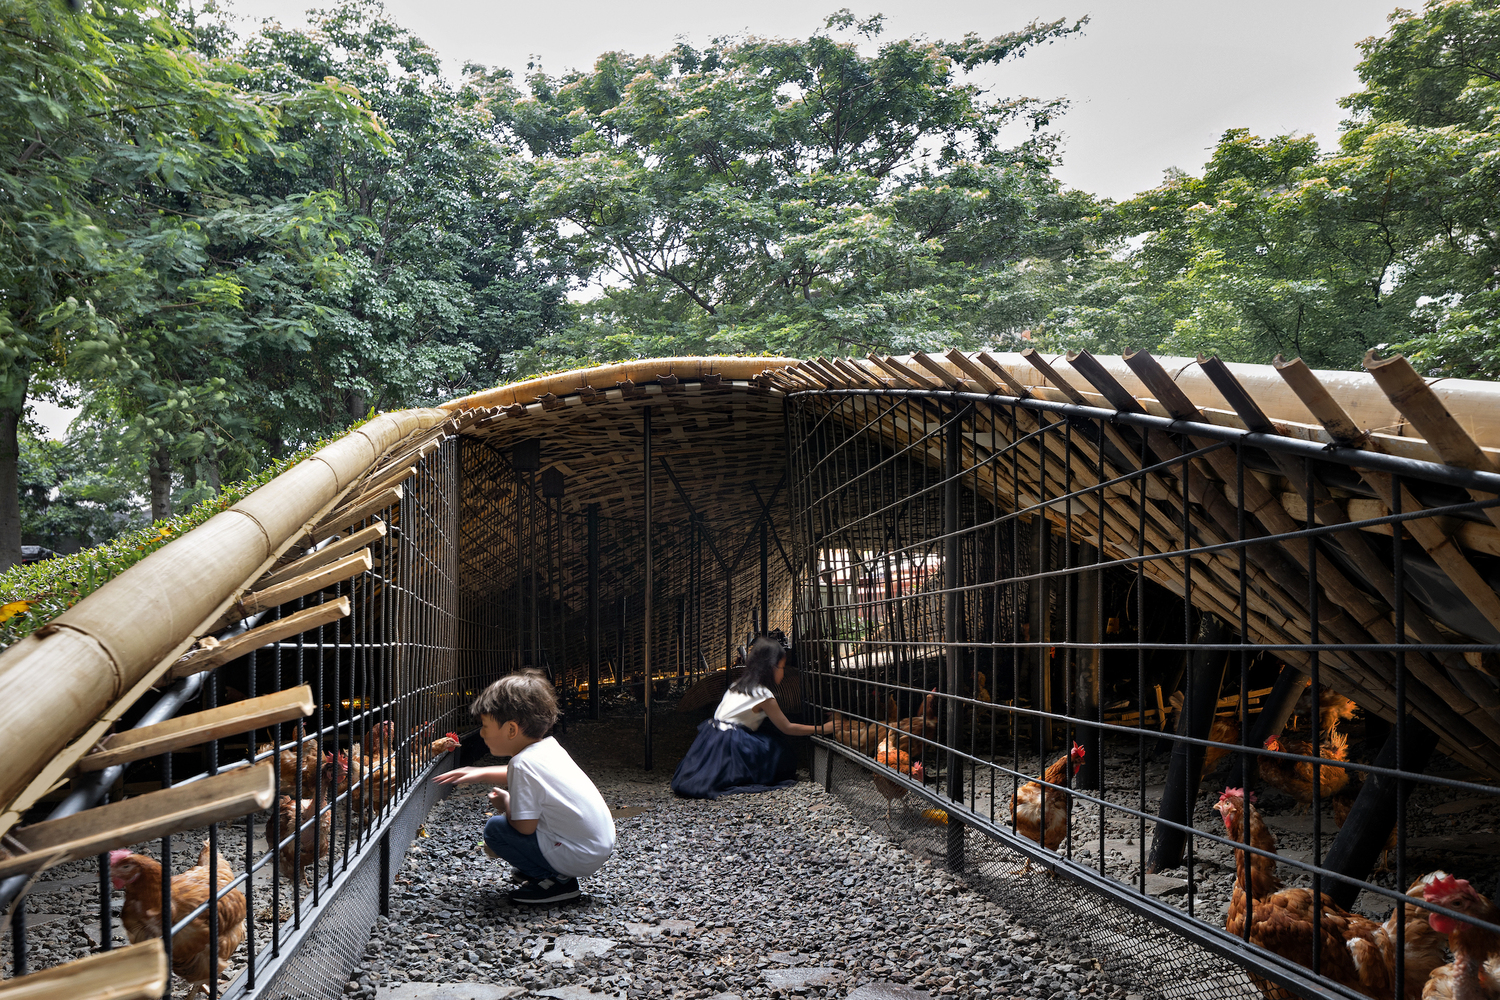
[{"x": 546, "y": 890}]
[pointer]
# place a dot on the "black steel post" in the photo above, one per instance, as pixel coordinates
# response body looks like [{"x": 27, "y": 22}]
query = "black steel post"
[
  {"x": 1186, "y": 766},
  {"x": 952, "y": 605},
  {"x": 650, "y": 580},
  {"x": 681, "y": 640},
  {"x": 765, "y": 587},
  {"x": 593, "y": 609},
  {"x": 1363, "y": 838},
  {"x": 1041, "y": 624},
  {"x": 1089, "y": 628}
]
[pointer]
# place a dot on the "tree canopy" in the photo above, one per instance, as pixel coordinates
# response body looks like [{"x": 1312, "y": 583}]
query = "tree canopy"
[{"x": 226, "y": 245}]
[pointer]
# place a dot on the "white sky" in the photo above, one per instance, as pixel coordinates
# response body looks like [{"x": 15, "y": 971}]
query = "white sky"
[{"x": 1154, "y": 83}]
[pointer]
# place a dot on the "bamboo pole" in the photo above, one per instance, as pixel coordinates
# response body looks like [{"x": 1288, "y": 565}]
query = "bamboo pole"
[
  {"x": 648, "y": 370},
  {"x": 321, "y": 578},
  {"x": 134, "y": 972},
  {"x": 200, "y": 727},
  {"x": 322, "y": 557},
  {"x": 227, "y": 795}
]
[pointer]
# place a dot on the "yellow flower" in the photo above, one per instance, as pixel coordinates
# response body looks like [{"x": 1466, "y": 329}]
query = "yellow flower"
[{"x": 14, "y": 608}]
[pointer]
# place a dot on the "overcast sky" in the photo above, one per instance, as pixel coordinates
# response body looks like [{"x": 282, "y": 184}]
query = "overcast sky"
[{"x": 1153, "y": 82}]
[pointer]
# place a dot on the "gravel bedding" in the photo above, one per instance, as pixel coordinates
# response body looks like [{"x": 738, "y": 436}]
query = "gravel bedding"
[
  {"x": 704, "y": 898},
  {"x": 745, "y": 896}
]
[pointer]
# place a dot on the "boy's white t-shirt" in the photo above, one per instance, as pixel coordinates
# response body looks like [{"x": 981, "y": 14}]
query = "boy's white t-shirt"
[
  {"x": 739, "y": 708},
  {"x": 574, "y": 828}
]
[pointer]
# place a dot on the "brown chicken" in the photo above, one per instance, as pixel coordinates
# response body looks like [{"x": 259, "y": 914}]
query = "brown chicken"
[
  {"x": 372, "y": 775},
  {"x": 140, "y": 914},
  {"x": 424, "y": 750},
  {"x": 901, "y": 763},
  {"x": 1032, "y": 801},
  {"x": 919, "y": 729},
  {"x": 1281, "y": 920},
  {"x": 1226, "y": 730},
  {"x": 1476, "y": 951},
  {"x": 286, "y": 762},
  {"x": 1423, "y": 947},
  {"x": 316, "y": 839},
  {"x": 1295, "y": 778}
]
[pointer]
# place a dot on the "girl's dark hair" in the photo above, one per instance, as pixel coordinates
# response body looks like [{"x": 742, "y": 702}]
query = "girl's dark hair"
[
  {"x": 525, "y": 698},
  {"x": 760, "y": 666}
]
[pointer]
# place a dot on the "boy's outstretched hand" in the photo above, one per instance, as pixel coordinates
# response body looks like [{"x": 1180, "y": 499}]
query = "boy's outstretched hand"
[{"x": 472, "y": 776}]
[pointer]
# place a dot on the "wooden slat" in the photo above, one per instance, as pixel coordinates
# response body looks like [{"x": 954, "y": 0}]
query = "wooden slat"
[
  {"x": 207, "y": 658},
  {"x": 324, "y": 556},
  {"x": 200, "y": 727},
  {"x": 145, "y": 817},
  {"x": 134, "y": 972},
  {"x": 300, "y": 586},
  {"x": 358, "y": 509}
]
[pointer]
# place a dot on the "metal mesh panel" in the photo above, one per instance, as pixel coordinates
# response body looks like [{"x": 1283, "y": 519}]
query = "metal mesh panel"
[{"x": 1110, "y": 619}]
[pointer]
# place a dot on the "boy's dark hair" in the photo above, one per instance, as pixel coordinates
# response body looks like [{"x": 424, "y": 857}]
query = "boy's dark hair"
[
  {"x": 760, "y": 666},
  {"x": 525, "y": 698}
]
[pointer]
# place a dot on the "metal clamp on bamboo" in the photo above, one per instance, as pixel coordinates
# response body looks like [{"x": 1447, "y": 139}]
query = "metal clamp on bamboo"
[
  {"x": 229, "y": 795},
  {"x": 323, "y": 556},
  {"x": 134, "y": 972},
  {"x": 356, "y": 510},
  {"x": 207, "y": 657},
  {"x": 200, "y": 727},
  {"x": 322, "y": 578}
]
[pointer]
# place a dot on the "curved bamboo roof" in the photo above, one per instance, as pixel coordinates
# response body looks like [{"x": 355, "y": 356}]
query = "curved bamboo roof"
[{"x": 718, "y": 427}]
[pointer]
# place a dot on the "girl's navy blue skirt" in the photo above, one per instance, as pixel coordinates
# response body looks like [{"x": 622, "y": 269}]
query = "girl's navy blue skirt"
[{"x": 735, "y": 760}]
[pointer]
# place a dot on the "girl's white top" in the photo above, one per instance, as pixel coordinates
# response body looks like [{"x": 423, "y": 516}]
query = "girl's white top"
[{"x": 738, "y": 707}]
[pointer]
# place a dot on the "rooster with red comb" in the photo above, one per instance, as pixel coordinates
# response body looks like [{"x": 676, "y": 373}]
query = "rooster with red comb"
[
  {"x": 1041, "y": 813},
  {"x": 1472, "y": 975}
]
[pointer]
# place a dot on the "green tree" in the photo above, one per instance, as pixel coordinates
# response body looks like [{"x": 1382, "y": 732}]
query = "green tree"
[
  {"x": 99, "y": 106},
  {"x": 793, "y": 195}
]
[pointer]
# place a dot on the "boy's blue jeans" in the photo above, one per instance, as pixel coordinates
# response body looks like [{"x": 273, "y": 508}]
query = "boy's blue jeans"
[{"x": 520, "y": 849}]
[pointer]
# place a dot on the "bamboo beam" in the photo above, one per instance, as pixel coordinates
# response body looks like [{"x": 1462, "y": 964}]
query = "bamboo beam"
[
  {"x": 356, "y": 510},
  {"x": 1356, "y": 620},
  {"x": 209, "y": 657},
  {"x": 1411, "y": 394},
  {"x": 134, "y": 972},
  {"x": 224, "y": 796},
  {"x": 281, "y": 593},
  {"x": 200, "y": 727},
  {"x": 1438, "y": 544},
  {"x": 324, "y": 556}
]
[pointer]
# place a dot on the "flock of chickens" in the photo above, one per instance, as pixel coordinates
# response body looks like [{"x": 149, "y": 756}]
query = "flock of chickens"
[
  {"x": 1350, "y": 949},
  {"x": 1353, "y": 950},
  {"x": 365, "y": 776},
  {"x": 1038, "y": 813}
]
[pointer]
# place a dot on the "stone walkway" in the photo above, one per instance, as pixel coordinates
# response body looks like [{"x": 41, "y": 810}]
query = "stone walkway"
[{"x": 778, "y": 894}]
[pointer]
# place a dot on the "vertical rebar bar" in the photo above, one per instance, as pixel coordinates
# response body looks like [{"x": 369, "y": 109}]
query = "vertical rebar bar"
[{"x": 649, "y": 540}]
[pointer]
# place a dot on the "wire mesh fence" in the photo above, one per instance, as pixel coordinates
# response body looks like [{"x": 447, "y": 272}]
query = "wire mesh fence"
[
  {"x": 1098, "y": 643},
  {"x": 385, "y": 682}
]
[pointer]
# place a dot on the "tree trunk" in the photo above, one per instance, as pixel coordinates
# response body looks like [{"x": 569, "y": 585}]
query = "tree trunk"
[
  {"x": 10, "y": 487},
  {"x": 160, "y": 472},
  {"x": 211, "y": 469}
]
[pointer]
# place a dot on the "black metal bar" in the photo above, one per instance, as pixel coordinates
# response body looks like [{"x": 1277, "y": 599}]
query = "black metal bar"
[
  {"x": 765, "y": 586},
  {"x": 593, "y": 609},
  {"x": 1206, "y": 675},
  {"x": 650, "y": 584},
  {"x": 952, "y": 513},
  {"x": 1486, "y": 482}
]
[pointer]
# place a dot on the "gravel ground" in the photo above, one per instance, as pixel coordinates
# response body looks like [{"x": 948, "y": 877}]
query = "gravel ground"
[{"x": 753, "y": 895}]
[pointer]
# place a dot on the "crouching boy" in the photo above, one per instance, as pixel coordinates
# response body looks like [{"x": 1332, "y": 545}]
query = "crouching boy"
[{"x": 551, "y": 823}]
